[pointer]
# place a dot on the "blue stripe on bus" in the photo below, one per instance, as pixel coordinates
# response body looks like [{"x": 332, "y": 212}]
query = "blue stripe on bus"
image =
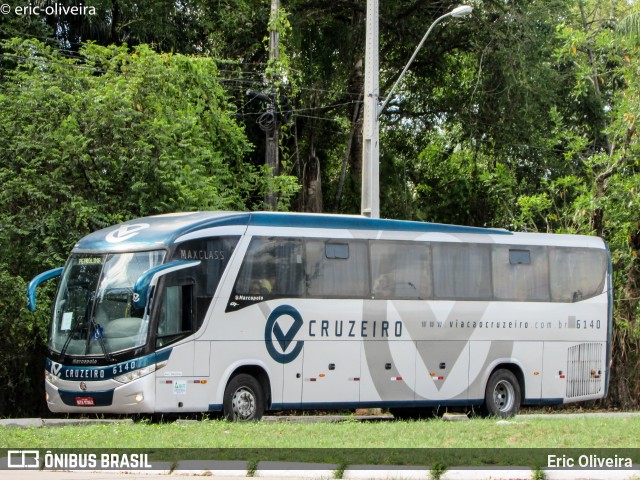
[
  {"x": 543, "y": 401},
  {"x": 375, "y": 404},
  {"x": 361, "y": 223},
  {"x": 91, "y": 374},
  {"x": 164, "y": 230},
  {"x": 216, "y": 407}
]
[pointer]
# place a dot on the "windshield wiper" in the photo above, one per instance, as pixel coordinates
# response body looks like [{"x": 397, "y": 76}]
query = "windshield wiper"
[
  {"x": 96, "y": 332},
  {"x": 97, "y": 335},
  {"x": 79, "y": 324}
]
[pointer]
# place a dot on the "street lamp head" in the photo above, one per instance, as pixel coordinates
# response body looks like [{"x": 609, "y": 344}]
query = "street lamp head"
[{"x": 461, "y": 11}]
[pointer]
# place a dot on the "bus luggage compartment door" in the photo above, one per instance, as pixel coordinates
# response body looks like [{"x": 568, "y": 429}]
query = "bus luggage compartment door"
[{"x": 331, "y": 373}]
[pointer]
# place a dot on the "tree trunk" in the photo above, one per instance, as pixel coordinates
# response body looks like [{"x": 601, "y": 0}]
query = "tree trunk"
[
  {"x": 312, "y": 180},
  {"x": 355, "y": 126}
]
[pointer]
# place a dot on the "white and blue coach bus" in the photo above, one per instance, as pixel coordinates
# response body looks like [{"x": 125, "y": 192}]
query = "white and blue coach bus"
[{"x": 242, "y": 313}]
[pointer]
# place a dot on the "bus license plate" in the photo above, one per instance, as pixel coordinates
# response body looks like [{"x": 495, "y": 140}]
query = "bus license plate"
[{"x": 84, "y": 401}]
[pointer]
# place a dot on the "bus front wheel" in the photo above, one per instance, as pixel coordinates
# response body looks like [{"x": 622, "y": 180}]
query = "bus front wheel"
[
  {"x": 502, "y": 397},
  {"x": 243, "y": 399}
]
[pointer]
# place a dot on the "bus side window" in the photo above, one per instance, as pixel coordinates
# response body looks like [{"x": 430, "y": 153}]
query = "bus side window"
[
  {"x": 462, "y": 271},
  {"x": 337, "y": 269},
  {"x": 214, "y": 254},
  {"x": 272, "y": 267},
  {"x": 576, "y": 273},
  {"x": 175, "y": 317},
  {"x": 520, "y": 274},
  {"x": 336, "y": 250},
  {"x": 400, "y": 270}
]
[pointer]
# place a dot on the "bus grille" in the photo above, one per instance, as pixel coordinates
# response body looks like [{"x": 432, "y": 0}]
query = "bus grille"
[{"x": 584, "y": 370}]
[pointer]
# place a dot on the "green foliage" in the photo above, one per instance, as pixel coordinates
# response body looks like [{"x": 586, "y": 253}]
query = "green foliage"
[
  {"x": 278, "y": 69},
  {"x": 286, "y": 186},
  {"x": 338, "y": 473},
  {"x": 437, "y": 471},
  {"x": 22, "y": 339},
  {"x": 90, "y": 142},
  {"x": 523, "y": 115},
  {"x": 538, "y": 474},
  {"x": 597, "y": 130},
  {"x": 352, "y": 443},
  {"x": 120, "y": 135}
]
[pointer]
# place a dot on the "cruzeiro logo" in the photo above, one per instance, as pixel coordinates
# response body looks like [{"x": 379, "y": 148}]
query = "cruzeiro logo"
[
  {"x": 273, "y": 334},
  {"x": 125, "y": 232}
]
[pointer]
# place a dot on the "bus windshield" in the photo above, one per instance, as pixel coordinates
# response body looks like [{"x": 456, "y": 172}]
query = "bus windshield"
[{"x": 94, "y": 312}]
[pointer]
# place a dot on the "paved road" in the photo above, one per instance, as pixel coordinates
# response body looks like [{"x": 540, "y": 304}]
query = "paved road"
[{"x": 361, "y": 475}]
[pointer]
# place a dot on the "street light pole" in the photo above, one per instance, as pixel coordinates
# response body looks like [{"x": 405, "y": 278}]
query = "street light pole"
[
  {"x": 370, "y": 195},
  {"x": 370, "y": 200}
]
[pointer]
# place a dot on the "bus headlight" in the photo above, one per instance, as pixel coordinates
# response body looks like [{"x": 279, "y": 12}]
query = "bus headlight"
[
  {"x": 49, "y": 377},
  {"x": 135, "y": 374}
]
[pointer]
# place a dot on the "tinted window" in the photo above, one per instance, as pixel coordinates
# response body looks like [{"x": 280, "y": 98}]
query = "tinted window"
[
  {"x": 272, "y": 266},
  {"x": 400, "y": 270},
  {"x": 175, "y": 317},
  {"x": 337, "y": 276},
  {"x": 519, "y": 257},
  {"x": 576, "y": 274},
  {"x": 520, "y": 274},
  {"x": 462, "y": 271},
  {"x": 213, "y": 254},
  {"x": 336, "y": 250}
]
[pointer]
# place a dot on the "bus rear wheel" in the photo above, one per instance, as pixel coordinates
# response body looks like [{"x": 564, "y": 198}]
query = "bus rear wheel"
[
  {"x": 502, "y": 397},
  {"x": 243, "y": 399}
]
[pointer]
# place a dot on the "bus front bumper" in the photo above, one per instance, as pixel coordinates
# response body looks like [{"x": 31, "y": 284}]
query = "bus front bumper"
[{"x": 137, "y": 396}]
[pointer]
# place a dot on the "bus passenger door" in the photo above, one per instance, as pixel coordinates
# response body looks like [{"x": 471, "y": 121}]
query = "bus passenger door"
[
  {"x": 181, "y": 384},
  {"x": 331, "y": 374}
]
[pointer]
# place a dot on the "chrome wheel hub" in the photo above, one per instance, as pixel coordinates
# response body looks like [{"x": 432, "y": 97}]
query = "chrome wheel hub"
[
  {"x": 504, "y": 396},
  {"x": 243, "y": 403}
]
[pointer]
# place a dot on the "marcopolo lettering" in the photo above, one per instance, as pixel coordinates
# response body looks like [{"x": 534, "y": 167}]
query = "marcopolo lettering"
[
  {"x": 84, "y": 361},
  {"x": 352, "y": 328}
]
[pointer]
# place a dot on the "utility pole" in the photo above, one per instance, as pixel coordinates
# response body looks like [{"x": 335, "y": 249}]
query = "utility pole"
[
  {"x": 370, "y": 195},
  {"x": 370, "y": 199},
  {"x": 272, "y": 159}
]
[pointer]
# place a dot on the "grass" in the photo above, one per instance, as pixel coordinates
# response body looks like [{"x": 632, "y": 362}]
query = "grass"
[
  {"x": 345, "y": 443},
  {"x": 485, "y": 433}
]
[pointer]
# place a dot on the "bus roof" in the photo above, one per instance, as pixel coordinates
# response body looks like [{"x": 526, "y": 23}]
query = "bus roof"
[{"x": 163, "y": 230}]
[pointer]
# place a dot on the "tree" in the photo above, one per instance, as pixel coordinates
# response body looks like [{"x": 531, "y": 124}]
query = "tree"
[
  {"x": 597, "y": 128},
  {"x": 92, "y": 141}
]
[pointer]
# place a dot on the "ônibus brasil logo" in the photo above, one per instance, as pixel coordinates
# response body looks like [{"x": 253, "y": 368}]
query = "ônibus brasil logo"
[{"x": 290, "y": 319}]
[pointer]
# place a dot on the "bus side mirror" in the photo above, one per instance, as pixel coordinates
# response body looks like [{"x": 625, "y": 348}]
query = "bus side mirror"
[
  {"x": 37, "y": 280},
  {"x": 149, "y": 279}
]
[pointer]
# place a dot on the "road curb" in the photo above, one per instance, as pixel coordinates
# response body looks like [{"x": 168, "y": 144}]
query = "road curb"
[
  {"x": 183, "y": 469},
  {"x": 57, "y": 422}
]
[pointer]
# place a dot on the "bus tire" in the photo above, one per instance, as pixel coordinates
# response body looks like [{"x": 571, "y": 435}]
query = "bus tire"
[
  {"x": 243, "y": 399},
  {"x": 503, "y": 395}
]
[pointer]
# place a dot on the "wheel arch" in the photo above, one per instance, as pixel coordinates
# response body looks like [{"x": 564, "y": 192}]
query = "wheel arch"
[
  {"x": 259, "y": 374},
  {"x": 257, "y": 370},
  {"x": 515, "y": 368}
]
